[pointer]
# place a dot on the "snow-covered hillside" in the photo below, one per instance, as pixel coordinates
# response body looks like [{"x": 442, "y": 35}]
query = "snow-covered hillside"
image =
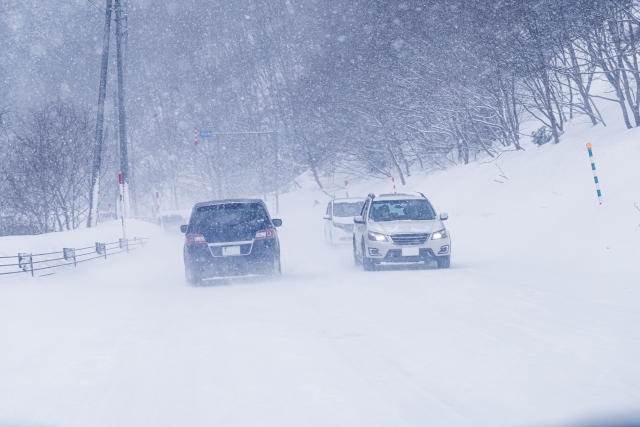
[{"x": 536, "y": 322}]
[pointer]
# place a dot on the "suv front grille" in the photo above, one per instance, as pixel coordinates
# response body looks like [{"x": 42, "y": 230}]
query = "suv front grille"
[{"x": 409, "y": 239}]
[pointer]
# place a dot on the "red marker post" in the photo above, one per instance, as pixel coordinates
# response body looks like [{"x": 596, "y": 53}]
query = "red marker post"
[
  {"x": 346, "y": 186},
  {"x": 158, "y": 203},
  {"x": 393, "y": 181},
  {"x": 195, "y": 131}
]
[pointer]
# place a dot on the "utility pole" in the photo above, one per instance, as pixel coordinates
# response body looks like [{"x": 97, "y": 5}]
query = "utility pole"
[
  {"x": 122, "y": 119},
  {"x": 275, "y": 136},
  {"x": 102, "y": 93}
]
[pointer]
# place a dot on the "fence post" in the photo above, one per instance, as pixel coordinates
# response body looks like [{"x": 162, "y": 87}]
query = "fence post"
[
  {"x": 101, "y": 249},
  {"x": 69, "y": 253},
  {"x": 25, "y": 260}
]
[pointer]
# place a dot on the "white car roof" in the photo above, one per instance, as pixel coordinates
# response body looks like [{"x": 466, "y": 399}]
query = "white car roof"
[
  {"x": 400, "y": 196},
  {"x": 349, "y": 199}
]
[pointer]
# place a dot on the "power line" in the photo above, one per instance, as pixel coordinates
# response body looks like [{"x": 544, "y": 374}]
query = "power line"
[{"x": 96, "y": 6}]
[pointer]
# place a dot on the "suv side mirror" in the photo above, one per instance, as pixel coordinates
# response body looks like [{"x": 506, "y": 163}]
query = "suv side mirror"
[
  {"x": 276, "y": 222},
  {"x": 327, "y": 217},
  {"x": 358, "y": 219},
  {"x": 444, "y": 216},
  {"x": 183, "y": 228}
]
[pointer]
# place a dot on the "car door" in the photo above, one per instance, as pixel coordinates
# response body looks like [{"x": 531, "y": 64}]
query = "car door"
[{"x": 359, "y": 229}]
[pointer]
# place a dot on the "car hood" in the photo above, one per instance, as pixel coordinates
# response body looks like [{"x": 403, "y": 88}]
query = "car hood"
[{"x": 395, "y": 227}]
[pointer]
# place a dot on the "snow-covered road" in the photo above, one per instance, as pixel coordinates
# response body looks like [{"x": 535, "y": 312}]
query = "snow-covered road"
[{"x": 328, "y": 344}]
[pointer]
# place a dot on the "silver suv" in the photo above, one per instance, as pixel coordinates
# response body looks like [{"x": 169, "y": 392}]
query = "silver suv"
[{"x": 400, "y": 228}]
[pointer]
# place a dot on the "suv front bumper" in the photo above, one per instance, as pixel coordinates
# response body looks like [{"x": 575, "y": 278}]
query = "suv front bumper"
[{"x": 392, "y": 253}]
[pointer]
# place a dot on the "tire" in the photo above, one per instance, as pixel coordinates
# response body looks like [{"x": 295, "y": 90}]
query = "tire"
[
  {"x": 356, "y": 260},
  {"x": 192, "y": 277},
  {"x": 276, "y": 269},
  {"x": 443, "y": 261},
  {"x": 367, "y": 263}
]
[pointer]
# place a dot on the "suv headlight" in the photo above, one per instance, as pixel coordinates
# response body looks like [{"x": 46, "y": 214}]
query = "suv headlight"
[
  {"x": 377, "y": 237},
  {"x": 442, "y": 234}
]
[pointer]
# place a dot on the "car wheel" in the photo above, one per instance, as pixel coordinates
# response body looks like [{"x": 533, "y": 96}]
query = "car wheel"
[
  {"x": 192, "y": 277},
  {"x": 276, "y": 269},
  {"x": 367, "y": 263},
  {"x": 443, "y": 261},
  {"x": 356, "y": 260}
]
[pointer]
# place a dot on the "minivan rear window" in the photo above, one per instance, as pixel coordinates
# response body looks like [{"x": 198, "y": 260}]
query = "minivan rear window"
[
  {"x": 229, "y": 215},
  {"x": 342, "y": 209}
]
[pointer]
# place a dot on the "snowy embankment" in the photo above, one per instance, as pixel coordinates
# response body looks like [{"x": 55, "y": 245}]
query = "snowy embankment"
[
  {"x": 105, "y": 232},
  {"x": 83, "y": 240},
  {"x": 544, "y": 209},
  {"x": 535, "y": 324}
]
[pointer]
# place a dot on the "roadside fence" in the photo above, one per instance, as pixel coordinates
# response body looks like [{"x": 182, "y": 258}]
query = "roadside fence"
[{"x": 30, "y": 263}]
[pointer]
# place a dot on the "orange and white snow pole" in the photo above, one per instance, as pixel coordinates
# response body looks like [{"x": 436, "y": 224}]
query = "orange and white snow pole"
[
  {"x": 393, "y": 181},
  {"x": 195, "y": 132},
  {"x": 346, "y": 186}
]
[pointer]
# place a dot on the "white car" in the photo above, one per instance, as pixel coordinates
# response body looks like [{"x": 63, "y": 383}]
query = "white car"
[
  {"x": 400, "y": 228},
  {"x": 338, "y": 220}
]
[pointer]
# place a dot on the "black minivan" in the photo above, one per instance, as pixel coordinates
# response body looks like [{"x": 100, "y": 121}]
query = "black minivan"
[{"x": 232, "y": 237}]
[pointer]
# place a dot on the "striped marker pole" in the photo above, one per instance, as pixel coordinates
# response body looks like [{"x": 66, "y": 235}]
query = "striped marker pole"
[
  {"x": 595, "y": 176},
  {"x": 195, "y": 134},
  {"x": 346, "y": 186},
  {"x": 393, "y": 181}
]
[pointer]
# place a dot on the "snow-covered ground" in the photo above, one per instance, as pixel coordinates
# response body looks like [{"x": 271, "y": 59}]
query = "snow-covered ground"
[{"x": 537, "y": 323}]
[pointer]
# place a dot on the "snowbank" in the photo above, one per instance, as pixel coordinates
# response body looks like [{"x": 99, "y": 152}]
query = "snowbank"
[
  {"x": 109, "y": 231},
  {"x": 538, "y": 206}
]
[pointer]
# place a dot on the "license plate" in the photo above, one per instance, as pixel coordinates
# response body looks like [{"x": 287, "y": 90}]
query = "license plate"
[
  {"x": 230, "y": 250},
  {"x": 410, "y": 251}
]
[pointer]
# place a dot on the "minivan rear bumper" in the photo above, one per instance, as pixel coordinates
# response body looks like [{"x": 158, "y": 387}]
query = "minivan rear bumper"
[{"x": 259, "y": 260}]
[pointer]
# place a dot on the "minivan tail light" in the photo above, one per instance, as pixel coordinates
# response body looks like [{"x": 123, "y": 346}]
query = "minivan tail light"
[
  {"x": 269, "y": 233},
  {"x": 194, "y": 239}
]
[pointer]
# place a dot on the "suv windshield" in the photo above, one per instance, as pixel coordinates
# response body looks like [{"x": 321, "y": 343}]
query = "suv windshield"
[
  {"x": 347, "y": 209},
  {"x": 401, "y": 210},
  {"x": 229, "y": 215}
]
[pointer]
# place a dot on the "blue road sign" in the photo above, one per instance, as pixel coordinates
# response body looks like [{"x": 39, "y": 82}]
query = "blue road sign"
[{"x": 206, "y": 134}]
